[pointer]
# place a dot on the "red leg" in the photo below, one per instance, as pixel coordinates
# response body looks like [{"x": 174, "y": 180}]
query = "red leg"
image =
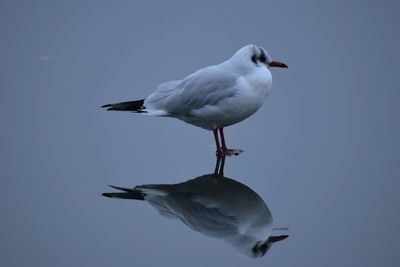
[
  {"x": 215, "y": 131},
  {"x": 221, "y": 132},
  {"x": 226, "y": 151}
]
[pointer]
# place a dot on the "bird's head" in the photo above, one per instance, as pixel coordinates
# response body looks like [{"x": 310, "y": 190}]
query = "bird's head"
[
  {"x": 254, "y": 56},
  {"x": 261, "y": 247}
]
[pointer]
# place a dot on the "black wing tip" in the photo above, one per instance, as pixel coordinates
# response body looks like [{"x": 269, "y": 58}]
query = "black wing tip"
[
  {"x": 109, "y": 107},
  {"x": 123, "y": 188},
  {"x": 115, "y": 187},
  {"x": 128, "y": 193},
  {"x": 132, "y": 106}
]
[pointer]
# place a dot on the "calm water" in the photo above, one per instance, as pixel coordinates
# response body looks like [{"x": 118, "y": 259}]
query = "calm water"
[
  {"x": 321, "y": 157},
  {"x": 215, "y": 206}
]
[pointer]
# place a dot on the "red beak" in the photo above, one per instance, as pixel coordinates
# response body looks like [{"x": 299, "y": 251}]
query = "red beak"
[{"x": 277, "y": 64}]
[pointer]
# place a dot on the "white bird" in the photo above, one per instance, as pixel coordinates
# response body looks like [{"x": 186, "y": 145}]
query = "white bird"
[
  {"x": 215, "y": 206},
  {"x": 213, "y": 97}
]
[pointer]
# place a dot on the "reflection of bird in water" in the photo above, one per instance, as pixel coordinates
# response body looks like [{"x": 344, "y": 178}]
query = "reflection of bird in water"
[
  {"x": 215, "y": 206},
  {"x": 214, "y": 97}
]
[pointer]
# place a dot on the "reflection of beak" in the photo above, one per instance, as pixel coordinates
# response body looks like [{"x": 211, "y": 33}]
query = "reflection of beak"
[
  {"x": 277, "y": 64},
  {"x": 278, "y": 238}
]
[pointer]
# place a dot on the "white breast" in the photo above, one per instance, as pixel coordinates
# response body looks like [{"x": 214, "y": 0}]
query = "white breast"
[
  {"x": 254, "y": 89},
  {"x": 250, "y": 94}
]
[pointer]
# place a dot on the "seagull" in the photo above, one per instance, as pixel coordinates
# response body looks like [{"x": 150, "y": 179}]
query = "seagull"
[
  {"x": 214, "y": 97},
  {"x": 215, "y": 206}
]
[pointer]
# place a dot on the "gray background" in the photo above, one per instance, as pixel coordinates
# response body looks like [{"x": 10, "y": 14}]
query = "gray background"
[{"x": 323, "y": 152}]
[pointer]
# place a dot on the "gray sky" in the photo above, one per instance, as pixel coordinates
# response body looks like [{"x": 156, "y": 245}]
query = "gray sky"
[{"x": 323, "y": 152}]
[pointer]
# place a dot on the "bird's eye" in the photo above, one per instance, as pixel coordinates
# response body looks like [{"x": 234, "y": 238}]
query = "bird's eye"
[
  {"x": 262, "y": 57},
  {"x": 254, "y": 59}
]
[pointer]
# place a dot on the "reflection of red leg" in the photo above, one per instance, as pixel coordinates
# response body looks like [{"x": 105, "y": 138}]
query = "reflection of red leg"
[
  {"x": 224, "y": 150},
  {"x": 219, "y": 166}
]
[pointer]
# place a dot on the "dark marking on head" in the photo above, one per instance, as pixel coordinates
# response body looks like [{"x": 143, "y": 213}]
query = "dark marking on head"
[
  {"x": 259, "y": 56},
  {"x": 260, "y": 249},
  {"x": 254, "y": 59},
  {"x": 262, "y": 57}
]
